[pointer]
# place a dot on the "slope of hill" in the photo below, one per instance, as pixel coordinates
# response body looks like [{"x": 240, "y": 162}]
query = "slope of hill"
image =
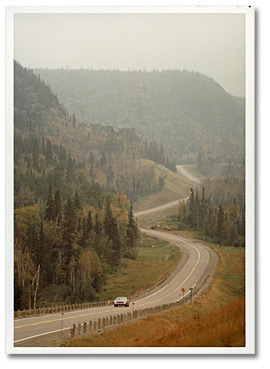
[
  {"x": 73, "y": 224},
  {"x": 57, "y": 150},
  {"x": 188, "y": 111}
]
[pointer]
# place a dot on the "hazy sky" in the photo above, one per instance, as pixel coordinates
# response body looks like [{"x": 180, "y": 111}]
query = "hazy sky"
[{"x": 213, "y": 44}]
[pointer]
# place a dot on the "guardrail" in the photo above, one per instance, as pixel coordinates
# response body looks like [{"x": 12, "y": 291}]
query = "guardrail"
[
  {"x": 118, "y": 319},
  {"x": 54, "y": 309}
]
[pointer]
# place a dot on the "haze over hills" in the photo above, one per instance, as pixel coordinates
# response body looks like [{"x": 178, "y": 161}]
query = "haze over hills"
[
  {"x": 188, "y": 111},
  {"x": 73, "y": 221},
  {"x": 113, "y": 159}
]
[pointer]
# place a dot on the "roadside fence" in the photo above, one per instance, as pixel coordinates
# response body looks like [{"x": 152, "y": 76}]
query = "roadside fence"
[
  {"x": 54, "y": 309},
  {"x": 101, "y": 324}
]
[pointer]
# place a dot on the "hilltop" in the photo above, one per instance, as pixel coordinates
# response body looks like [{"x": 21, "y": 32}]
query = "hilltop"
[
  {"x": 53, "y": 148},
  {"x": 188, "y": 111}
]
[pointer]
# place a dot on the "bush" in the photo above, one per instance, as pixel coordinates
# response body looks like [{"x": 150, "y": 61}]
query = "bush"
[
  {"x": 182, "y": 226},
  {"x": 240, "y": 242},
  {"x": 129, "y": 255}
]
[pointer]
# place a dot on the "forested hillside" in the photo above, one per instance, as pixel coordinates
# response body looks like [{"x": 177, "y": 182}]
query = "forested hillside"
[
  {"x": 190, "y": 113},
  {"x": 217, "y": 210},
  {"x": 72, "y": 189}
]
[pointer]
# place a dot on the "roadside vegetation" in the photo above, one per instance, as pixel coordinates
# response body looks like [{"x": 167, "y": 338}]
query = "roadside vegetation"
[
  {"x": 156, "y": 258},
  {"x": 214, "y": 319},
  {"x": 176, "y": 186}
]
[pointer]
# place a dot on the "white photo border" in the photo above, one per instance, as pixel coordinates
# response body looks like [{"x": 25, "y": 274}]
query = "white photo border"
[{"x": 249, "y": 13}]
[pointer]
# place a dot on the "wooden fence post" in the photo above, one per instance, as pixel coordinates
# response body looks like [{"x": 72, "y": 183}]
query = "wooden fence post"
[
  {"x": 71, "y": 334},
  {"x": 74, "y": 329}
]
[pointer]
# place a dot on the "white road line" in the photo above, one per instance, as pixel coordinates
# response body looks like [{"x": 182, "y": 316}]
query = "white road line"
[
  {"x": 42, "y": 334},
  {"x": 152, "y": 294}
]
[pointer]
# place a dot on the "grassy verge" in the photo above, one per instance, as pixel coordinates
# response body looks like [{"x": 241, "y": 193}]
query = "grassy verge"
[
  {"x": 155, "y": 260},
  {"x": 217, "y": 171},
  {"x": 215, "y": 319},
  {"x": 176, "y": 187}
]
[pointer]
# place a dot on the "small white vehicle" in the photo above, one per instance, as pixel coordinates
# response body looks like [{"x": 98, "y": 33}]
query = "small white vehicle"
[{"x": 121, "y": 301}]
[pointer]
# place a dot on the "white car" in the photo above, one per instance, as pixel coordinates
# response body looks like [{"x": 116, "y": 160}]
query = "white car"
[{"x": 121, "y": 301}]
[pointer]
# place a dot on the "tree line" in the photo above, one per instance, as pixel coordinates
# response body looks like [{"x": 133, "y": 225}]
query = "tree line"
[
  {"x": 71, "y": 249},
  {"x": 222, "y": 223},
  {"x": 183, "y": 109}
]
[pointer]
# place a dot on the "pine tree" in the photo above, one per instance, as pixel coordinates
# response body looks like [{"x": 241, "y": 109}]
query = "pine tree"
[
  {"x": 69, "y": 173},
  {"x": 49, "y": 153},
  {"x": 111, "y": 230},
  {"x": 35, "y": 156},
  {"x": 68, "y": 228},
  {"x": 50, "y": 210},
  {"x": 98, "y": 227},
  {"x": 57, "y": 207},
  {"x": 220, "y": 223},
  {"x": 132, "y": 230},
  {"x": 89, "y": 224},
  {"x": 103, "y": 160},
  {"x": 77, "y": 203}
]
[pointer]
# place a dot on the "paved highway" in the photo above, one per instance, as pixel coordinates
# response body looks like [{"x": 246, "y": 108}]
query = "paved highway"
[
  {"x": 186, "y": 277},
  {"x": 159, "y": 208}
]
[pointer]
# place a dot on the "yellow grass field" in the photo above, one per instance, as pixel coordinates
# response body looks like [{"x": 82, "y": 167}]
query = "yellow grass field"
[{"x": 214, "y": 319}]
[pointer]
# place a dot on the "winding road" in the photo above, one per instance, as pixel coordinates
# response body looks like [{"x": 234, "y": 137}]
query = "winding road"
[{"x": 186, "y": 276}]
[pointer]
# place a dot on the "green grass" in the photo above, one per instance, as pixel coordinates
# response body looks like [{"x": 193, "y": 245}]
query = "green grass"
[
  {"x": 155, "y": 260},
  {"x": 215, "y": 319}
]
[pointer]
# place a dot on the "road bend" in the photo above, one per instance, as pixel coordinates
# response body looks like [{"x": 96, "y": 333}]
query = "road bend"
[{"x": 186, "y": 278}]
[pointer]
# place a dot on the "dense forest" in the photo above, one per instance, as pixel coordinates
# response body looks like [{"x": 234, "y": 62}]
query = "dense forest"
[
  {"x": 188, "y": 111},
  {"x": 73, "y": 193},
  {"x": 216, "y": 211}
]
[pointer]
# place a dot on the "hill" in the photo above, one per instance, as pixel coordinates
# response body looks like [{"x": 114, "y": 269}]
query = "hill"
[
  {"x": 187, "y": 111},
  {"x": 73, "y": 223},
  {"x": 57, "y": 150}
]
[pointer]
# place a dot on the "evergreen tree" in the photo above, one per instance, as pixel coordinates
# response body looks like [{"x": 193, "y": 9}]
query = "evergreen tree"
[
  {"x": 77, "y": 203},
  {"x": 103, "y": 160},
  {"x": 50, "y": 210},
  {"x": 57, "y": 207},
  {"x": 111, "y": 230},
  {"x": 69, "y": 172},
  {"x": 68, "y": 231},
  {"x": 35, "y": 156},
  {"x": 89, "y": 224},
  {"x": 132, "y": 230},
  {"x": 49, "y": 153},
  {"x": 220, "y": 223},
  {"x": 98, "y": 227}
]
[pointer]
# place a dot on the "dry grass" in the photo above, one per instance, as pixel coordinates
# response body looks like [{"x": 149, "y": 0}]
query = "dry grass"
[
  {"x": 215, "y": 319},
  {"x": 176, "y": 187}
]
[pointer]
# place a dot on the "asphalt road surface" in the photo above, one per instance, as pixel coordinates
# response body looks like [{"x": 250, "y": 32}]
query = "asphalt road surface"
[{"x": 32, "y": 328}]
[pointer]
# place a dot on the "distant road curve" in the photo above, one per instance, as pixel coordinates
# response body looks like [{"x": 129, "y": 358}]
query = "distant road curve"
[
  {"x": 181, "y": 169},
  {"x": 27, "y": 331},
  {"x": 159, "y": 208}
]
